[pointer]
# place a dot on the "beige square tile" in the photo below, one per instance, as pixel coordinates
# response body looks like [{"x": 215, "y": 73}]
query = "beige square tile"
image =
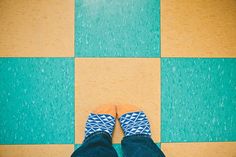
[
  {"x": 36, "y": 28},
  {"x": 211, "y": 149},
  {"x": 103, "y": 81},
  {"x": 194, "y": 28},
  {"x": 36, "y": 150}
]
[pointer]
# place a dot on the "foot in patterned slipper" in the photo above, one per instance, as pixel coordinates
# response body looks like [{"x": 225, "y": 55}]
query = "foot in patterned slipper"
[
  {"x": 133, "y": 121},
  {"x": 101, "y": 119}
]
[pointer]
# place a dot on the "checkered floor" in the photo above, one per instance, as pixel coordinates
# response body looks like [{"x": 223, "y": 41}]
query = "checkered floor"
[{"x": 174, "y": 59}]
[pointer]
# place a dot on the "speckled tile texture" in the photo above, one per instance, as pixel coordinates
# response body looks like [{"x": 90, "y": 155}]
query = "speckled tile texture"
[
  {"x": 37, "y": 28},
  {"x": 198, "y": 100},
  {"x": 200, "y": 149},
  {"x": 54, "y": 150},
  {"x": 37, "y": 100},
  {"x": 113, "y": 52},
  {"x": 117, "y": 28},
  {"x": 198, "y": 28}
]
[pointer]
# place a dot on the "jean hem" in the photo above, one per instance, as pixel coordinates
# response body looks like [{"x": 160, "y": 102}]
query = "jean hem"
[
  {"x": 95, "y": 134},
  {"x": 138, "y": 135}
]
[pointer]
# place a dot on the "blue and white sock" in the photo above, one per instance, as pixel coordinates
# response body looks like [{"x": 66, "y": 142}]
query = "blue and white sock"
[
  {"x": 135, "y": 123},
  {"x": 99, "y": 122}
]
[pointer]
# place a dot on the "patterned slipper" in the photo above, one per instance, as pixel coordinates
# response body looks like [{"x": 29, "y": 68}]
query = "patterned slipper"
[
  {"x": 99, "y": 123},
  {"x": 135, "y": 123}
]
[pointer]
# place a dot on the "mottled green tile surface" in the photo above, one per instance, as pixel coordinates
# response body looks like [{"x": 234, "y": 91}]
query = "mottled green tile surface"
[
  {"x": 36, "y": 100},
  {"x": 76, "y": 146},
  {"x": 198, "y": 100},
  {"x": 117, "y": 28}
]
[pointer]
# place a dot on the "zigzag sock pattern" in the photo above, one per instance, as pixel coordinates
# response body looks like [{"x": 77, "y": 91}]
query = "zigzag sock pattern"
[
  {"x": 99, "y": 122},
  {"x": 135, "y": 123}
]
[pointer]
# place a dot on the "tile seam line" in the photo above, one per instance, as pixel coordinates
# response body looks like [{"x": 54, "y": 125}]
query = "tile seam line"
[
  {"x": 117, "y": 57},
  {"x": 118, "y": 143},
  {"x": 160, "y": 32},
  {"x": 74, "y": 27},
  {"x": 160, "y": 88},
  {"x": 36, "y": 57},
  {"x": 25, "y": 144},
  {"x": 74, "y": 60},
  {"x": 201, "y": 142},
  {"x": 198, "y": 57},
  {"x": 107, "y": 58}
]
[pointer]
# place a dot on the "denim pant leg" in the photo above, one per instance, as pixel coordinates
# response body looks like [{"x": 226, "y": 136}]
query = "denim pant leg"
[
  {"x": 140, "y": 146},
  {"x": 96, "y": 145}
]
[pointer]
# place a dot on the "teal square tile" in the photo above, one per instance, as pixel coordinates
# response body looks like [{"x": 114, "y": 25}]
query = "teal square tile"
[
  {"x": 117, "y": 28},
  {"x": 36, "y": 100},
  {"x": 198, "y": 100},
  {"x": 76, "y": 146}
]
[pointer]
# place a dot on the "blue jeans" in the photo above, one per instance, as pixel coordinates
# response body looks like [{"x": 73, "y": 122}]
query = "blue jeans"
[{"x": 100, "y": 145}]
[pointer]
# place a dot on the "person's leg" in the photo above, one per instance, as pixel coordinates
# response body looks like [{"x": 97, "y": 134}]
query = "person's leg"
[
  {"x": 97, "y": 145},
  {"x": 140, "y": 146},
  {"x": 137, "y": 141},
  {"x": 98, "y": 134}
]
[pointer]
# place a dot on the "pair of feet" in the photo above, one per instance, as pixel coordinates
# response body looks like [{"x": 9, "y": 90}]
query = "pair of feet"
[{"x": 133, "y": 121}]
